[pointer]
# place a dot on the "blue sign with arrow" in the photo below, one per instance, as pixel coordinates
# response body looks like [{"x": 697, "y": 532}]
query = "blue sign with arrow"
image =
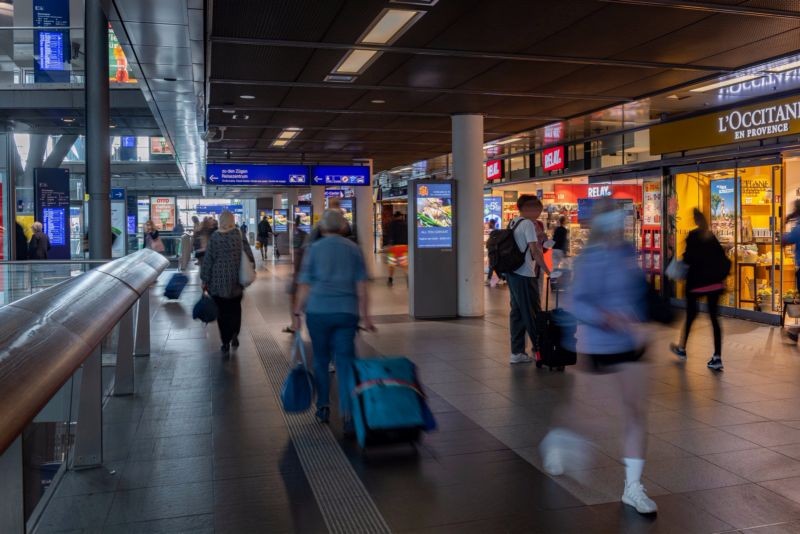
[
  {"x": 340, "y": 175},
  {"x": 256, "y": 175}
]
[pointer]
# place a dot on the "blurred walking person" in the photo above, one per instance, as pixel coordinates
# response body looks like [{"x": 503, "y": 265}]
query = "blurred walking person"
[
  {"x": 608, "y": 300},
  {"x": 492, "y": 229},
  {"x": 299, "y": 244},
  {"x": 220, "y": 275},
  {"x": 332, "y": 291},
  {"x": 396, "y": 245},
  {"x": 708, "y": 267},
  {"x": 522, "y": 284},
  {"x": 264, "y": 231}
]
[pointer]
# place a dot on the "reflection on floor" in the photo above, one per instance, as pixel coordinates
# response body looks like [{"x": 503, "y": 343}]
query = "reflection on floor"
[{"x": 203, "y": 446}]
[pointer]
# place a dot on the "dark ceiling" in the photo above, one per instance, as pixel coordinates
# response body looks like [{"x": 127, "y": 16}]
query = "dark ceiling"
[{"x": 522, "y": 63}]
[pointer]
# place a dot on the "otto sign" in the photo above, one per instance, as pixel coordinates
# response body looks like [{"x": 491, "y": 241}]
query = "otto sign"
[{"x": 553, "y": 159}]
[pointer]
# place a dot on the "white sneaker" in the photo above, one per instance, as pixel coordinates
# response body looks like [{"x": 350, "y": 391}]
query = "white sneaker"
[
  {"x": 635, "y": 495},
  {"x": 520, "y": 358}
]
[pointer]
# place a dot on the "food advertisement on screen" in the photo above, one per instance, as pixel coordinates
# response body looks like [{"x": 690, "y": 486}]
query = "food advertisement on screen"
[
  {"x": 304, "y": 212},
  {"x": 434, "y": 215},
  {"x": 162, "y": 213},
  {"x": 281, "y": 221}
]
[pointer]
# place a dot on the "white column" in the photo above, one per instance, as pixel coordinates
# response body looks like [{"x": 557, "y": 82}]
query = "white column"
[
  {"x": 291, "y": 197},
  {"x": 317, "y": 201},
  {"x": 365, "y": 222},
  {"x": 468, "y": 173},
  {"x": 277, "y": 201}
]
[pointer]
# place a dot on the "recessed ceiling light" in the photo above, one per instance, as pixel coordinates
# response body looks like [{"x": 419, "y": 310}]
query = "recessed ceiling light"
[
  {"x": 785, "y": 67},
  {"x": 378, "y": 101},
  {"x": 229, "y": 111},
  {"x": 355, "y": 61},
  {"x": 68, "y": 119},
  {"x": 247, "y": 97},
  {"x": 512, "y": 140},
  {"x": 726, "y": 83},
  {"x": 242, "y": 117},
  {"x": 389, "y": 25},
  {"x": 339, "y": 78},
  {"x": 280, "y": 143}
]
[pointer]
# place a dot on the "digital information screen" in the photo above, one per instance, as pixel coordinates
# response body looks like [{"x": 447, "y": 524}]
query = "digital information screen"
[
  {"x": 52, "y": 209},
  {"x": 340, "y": 175},
  {"x": 260, "y": 175},
  {"x": 304, "y": 211},
  {"x": 492, "y": 211},
  {"x": 52, "y": 45},
  {"x": 280, "y": 221},
  {"x": 347, "y": 207},
  {"x": 434, "y": 215}
]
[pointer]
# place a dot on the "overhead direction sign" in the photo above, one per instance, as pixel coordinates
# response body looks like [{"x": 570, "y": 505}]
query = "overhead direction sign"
[
  {"x": 339, "y": 175},
  {"x": 258, "y": 175}
]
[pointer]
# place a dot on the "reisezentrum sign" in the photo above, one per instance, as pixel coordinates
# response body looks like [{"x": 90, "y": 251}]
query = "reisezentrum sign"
[{"x": 759, "y": 121}]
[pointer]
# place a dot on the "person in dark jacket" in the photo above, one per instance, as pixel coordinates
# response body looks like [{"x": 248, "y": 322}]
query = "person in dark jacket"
[
  {"x": 264, "y": 231},
  {"x": 39, "y": 243},
  {"x": 21, "y": 243},
  {"x": 561, "y": 236},
  {"x": 220, "y": 275},
  {"x": 708, "y": 268}
]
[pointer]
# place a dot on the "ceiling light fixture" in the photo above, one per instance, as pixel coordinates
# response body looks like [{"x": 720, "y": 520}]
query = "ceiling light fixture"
[
  {"x": 68, "y": 120},
  {"x": 242, "y": 117},
  {"x": 340, "y": 78},
  {"x": 726, "y": 83},
  {"x": 229, "y": 111},
  {"x": 355, "y": 61},
  {"x": 378, "y": 101},
  {"x": 247, "y": 97},
  {"x": 389, "y": 25},
  {"x": 512, "y": 140},
  {"x": 286, "y": 135},
  {"x": 428, "y": 3},
  {"x": 280, "y": 143},
  {"x": 786, "y": 66}
]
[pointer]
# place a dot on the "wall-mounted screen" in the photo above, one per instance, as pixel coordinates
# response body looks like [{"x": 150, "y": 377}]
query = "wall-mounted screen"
[
  {"x": 304, "y": 211},
  {"x": 281, "y": 221}
]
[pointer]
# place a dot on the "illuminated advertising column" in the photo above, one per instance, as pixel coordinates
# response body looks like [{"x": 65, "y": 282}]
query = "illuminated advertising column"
[{"x": 433, "y": 280}]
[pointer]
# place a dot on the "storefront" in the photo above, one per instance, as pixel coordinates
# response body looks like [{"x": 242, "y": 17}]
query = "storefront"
[{"x": 746, "y": 199}]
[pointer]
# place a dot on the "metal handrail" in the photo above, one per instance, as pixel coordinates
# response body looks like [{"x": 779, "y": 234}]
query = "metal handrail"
[
  {"x": 47, "y": 336},
  {"x": 54, "y": 262}
]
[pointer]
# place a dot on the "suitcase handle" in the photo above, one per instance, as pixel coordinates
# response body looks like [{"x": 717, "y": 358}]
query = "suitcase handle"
[{"x": 382, "y": 382}]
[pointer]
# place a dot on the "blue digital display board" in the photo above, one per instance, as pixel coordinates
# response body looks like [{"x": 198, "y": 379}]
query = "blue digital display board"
[
  {"x": 52, "y": 48},
  {"x": 258, "y": 175},
  {"x": 52, "y": 209},
  {"x": 280, "y": 221},
  {"x": 434, "y": 215},
  {"x": 492, "y": 211},
  {"x": 129, "y": 142},
  {"x": 131, "y": 224},
  {"x": 207, "y": 209},
  {"x": 339, "y": 175},
  {"x": 304, "y": 211}
]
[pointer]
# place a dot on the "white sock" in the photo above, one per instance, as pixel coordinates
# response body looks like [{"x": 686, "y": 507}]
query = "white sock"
[{"x": 633, "y": 469}]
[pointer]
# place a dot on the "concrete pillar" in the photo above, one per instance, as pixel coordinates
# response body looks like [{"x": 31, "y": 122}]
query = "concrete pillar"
[
  {"x": 317, "y": 201},
  {"x": 291, "y": 197},
  {"x": 277, "y": 201},
  {"x": 98, "y": 152},
  {"x": 365, "y": 221},
  {"x": 468, "y": 173}
]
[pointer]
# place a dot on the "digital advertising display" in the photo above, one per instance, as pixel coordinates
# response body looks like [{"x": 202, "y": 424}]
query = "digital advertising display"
[
  {"x": 259, "y": 175},
  {"x": 346, "y": 204},
  {"x": 492, "y": 211},
  {"x": 723, "y": 208},
  {"x": 162, "y": 213},
  {"x": 434, "y": 215},
  {"x": 340, "y": 175},
  {"x": 304, "y": 211},
  {"x": 53, "y": 209},
  {"x": 280, "y": 221}
]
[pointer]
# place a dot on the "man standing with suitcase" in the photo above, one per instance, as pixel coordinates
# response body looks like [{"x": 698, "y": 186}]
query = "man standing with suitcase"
[{"x": 522, "y": 283}]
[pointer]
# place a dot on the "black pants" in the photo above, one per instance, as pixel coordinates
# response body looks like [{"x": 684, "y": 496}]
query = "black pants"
[
  {"x": 713, "y": 313},
  {"x": 229, "y": 317},
  {"x": 525, "y": 306}
]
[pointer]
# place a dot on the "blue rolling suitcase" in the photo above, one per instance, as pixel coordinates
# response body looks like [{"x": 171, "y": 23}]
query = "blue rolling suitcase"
[
  {"x": 175, "y": 286},
  {"x": 388, "y": 402}
]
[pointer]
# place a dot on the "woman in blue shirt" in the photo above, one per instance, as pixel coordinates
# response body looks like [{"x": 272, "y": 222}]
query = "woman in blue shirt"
[{"x": 332, "y": 290}]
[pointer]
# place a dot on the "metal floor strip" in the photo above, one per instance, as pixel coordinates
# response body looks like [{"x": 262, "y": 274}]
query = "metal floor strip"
[{"x": 344, "y": 502}]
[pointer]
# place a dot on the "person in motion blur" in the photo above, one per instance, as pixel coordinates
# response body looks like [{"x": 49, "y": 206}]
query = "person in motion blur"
[
  {"x": 264, "y": 231},
  {"x": 152, "y": 239},
  {"x": 792, "y": 237},
  {"x": 492, "y": 229},
  {"x": 20, "y": 243},
  {"x": 608, "y": 300},
  {"x": 522, "y": 284},
  {"x": 39, "y": 244},
  {"x": 396, "y": 245},
  {"x": 220, "y": 275},
  {"x": 332, "y": 291},
  {"x": 299, "y": 244},
  {"x": 708, "y": 268}
]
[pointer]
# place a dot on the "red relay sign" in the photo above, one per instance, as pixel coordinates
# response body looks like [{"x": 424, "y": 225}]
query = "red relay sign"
[
  {"x": 553, "y": 159},
  {"x": 494, "y": 169}
]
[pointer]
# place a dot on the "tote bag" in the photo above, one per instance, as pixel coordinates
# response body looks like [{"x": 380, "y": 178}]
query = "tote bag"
[
  {"x": 297, "y": 392},
  {"x": 247, "y": 273}
]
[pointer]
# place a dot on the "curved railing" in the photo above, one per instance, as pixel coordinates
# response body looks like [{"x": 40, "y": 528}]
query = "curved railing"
[{"x": 47, "y": 337}]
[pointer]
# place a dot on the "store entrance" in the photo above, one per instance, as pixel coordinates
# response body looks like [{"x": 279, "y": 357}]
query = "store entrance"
[{"x": 743, "y": 203}]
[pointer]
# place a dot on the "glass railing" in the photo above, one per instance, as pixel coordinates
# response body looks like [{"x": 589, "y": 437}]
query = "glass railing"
[{"x": 20, "y": 279}]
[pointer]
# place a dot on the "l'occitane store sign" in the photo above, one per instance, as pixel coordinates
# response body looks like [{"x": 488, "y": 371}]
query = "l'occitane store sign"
[{"x": 759, "y": 121}]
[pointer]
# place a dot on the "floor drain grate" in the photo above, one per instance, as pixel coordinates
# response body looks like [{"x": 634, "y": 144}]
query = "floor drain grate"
[{"x": 343, "y": 500}]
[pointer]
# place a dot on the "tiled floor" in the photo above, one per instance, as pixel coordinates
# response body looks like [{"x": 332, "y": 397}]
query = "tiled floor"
[{"x": 203, "y": 445}]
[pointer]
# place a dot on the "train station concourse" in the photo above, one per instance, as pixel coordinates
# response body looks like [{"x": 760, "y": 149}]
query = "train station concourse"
[{"x": 412, "y": 266}]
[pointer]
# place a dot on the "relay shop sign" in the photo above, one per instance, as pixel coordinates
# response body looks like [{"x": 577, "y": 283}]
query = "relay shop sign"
[
  {"x": 748, "y": 123},
  {"x": 553, "y": 159},
  {"x": 494, "y": 169}
]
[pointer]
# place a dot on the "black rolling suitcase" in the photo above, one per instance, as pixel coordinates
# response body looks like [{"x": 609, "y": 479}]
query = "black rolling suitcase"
[{"x": 556, "y": 336}]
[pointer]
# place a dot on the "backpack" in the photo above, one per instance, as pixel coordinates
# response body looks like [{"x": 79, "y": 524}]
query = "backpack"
[{"x": 504, "y": 254}]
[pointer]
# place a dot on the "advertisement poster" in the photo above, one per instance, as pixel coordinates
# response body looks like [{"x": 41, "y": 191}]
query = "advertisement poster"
[
  {"x": 652, "y": 204},
  {"x": 118, "y": 224},
  {"x": 304, "y": 212},
  {"x": 52, "y": 49},
  {"x": 281, "y": 221},
  {"x": 492, "y": 211},
  {"x": 162, "y": 213},
  {"x": 118, "y": 69},
  {"x": 723, "y": 209},
  {"x": 159, "y": 146},
  {"x": 346, "y": 204},
  {"x": 52, "y": 209},
  {"x": 434, "y": 215}
]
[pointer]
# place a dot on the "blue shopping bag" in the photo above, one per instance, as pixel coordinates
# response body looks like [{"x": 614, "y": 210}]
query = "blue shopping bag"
[
  {"x": 297, "y": 392},
  {"x": 205, "y": 309}
]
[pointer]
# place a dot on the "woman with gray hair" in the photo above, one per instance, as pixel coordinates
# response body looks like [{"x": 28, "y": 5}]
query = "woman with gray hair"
[
  {"x": 220, "y": 275},
  {"x": 39, "y": 243},
  {"x": 332, "y": 291},
  {"x": 608, "y": 300}
]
